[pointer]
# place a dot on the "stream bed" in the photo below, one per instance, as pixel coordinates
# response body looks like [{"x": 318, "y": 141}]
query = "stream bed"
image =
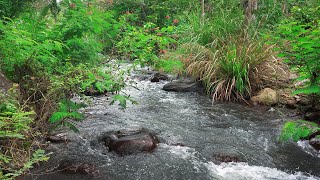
[{"x": 192, "y": 131}]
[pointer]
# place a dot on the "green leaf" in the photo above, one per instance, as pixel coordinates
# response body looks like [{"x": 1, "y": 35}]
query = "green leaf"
[{"x": 308, "y": 90}]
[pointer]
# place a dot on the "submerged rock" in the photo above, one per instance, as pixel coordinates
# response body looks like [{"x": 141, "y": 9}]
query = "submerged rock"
[
  {"x": 71, "y": 167},
  {"x": 130, "y": 142},
  {"x": 159, "y": 76},
  {"x": 184, "y": 86},
  {"x": 266, "y": 96}
]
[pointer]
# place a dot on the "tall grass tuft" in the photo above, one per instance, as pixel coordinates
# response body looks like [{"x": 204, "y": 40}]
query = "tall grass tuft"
[{"x": 227, "y": 68}]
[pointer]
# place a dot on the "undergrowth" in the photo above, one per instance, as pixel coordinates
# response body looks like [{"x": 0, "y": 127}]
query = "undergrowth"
[{"x": 19, "y": 149}]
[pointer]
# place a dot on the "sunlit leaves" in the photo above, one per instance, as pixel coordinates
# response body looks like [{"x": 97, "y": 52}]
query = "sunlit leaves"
[{"x": 296, "y": 130}]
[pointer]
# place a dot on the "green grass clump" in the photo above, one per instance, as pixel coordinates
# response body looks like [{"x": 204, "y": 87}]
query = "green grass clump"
[{"x": 227, "y": 69}]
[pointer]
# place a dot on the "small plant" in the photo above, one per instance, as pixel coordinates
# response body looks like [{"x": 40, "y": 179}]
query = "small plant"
[
  {"x": 66, "y": 112},
  {"x": 122, "y": 99},
  {"x": 298, "y": 130}
]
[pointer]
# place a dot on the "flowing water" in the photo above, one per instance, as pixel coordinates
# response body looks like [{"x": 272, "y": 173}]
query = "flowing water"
[{"x": 193, "y": 131}]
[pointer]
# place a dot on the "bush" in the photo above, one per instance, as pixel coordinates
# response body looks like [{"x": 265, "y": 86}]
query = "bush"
[
  {"x": 300, "y": 36},
  {"x": 143, "y": 43}
]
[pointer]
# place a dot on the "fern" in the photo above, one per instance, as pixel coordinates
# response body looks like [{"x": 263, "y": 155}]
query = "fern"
[{"x": 67, "y": 110}]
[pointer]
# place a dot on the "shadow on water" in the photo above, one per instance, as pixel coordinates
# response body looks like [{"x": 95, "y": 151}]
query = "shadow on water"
[{"x": 193, "y": 131}]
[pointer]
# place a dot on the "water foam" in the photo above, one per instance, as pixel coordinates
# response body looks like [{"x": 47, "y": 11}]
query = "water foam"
[{"x": 243, "y": 171}]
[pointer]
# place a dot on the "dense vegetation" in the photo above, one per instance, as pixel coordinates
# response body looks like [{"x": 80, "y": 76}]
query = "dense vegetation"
[{"x": 53, "y": 51}]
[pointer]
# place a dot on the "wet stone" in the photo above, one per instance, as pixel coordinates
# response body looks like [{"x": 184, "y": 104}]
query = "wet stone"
[
  {"x": 185, "y": 85},
  {"x": 159, "y": 76},
  {"x": 130, "y": 142},
  {"x": 225, "y": 158}
]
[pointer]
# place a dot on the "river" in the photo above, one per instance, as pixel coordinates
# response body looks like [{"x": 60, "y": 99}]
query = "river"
[{"x": 193, "y": 131}]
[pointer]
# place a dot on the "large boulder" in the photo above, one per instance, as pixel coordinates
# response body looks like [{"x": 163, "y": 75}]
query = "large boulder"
[
  {"x": 130, "y": 142},
  {"x": 185, "y": 85},
  {"x": 266, "y": 96}
]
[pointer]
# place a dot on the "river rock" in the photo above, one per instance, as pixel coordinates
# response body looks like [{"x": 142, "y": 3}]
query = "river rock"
[
  {"x": 291, "y": 103},
  {"x": 315, "y": 143},
  {"x": 130, "y": 142},
  {"x": 226, "y": 158},
  {"x": 313, "y": 117},
  {"x": 159, "y": 76},
  {"x": 266, "y": 96},
  {"x": 185, "y": 85}
]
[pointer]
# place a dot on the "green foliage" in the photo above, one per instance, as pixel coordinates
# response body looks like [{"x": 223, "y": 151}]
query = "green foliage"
[
  {"x": 11, "y": 8},
  {"x": 67, "y": 111},
  {"x": 170, "y": 66},
  {"x": 37, "y": 156},
  {"x": 301, "y": 36},
  {"x": 156, "y": 11},
  {"x": 222, "y": 19},
  {"x": 102, "y": 81},
  {"x": 143, "y": 43},
  {"x": 15, "y": 129},
  {"x": 14, "y": 122},
  {"x": 298, "y": 130},
  {"x": 122, "y": 99}
]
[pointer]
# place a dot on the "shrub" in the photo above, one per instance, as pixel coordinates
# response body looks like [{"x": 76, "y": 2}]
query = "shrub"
[
  {"x": 143, "y": 43},
  {"x": 301, "y": 47}
]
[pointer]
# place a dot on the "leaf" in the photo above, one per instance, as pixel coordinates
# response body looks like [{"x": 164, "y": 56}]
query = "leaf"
[{"x": 315, "y": 89}]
